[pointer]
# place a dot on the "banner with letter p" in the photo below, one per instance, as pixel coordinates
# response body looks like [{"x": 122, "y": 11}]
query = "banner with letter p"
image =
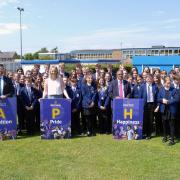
[{"x": 55, "y": 118}]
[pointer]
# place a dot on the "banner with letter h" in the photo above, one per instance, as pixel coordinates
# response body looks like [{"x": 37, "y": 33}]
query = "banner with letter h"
[{"x": 127, "y": 119}]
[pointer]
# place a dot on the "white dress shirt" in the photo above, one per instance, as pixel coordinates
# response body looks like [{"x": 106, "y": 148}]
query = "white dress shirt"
[{"x": 150, "y": 97}]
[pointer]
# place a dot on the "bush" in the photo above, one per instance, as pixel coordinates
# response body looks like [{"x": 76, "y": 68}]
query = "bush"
[{"x": 69, "y": 67}]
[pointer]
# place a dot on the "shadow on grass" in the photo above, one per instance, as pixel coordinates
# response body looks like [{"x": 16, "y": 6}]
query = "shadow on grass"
[
  {"x": 25, "y": 135},
  {"x": 177, "y": 140},
  {"x": 79, "y": 137}
]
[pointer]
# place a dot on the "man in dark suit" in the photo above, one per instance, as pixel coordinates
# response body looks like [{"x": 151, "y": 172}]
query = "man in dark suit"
[
  {"x": 96, "y": 75},
  {"x": 176, "y": 85},
  {"x": 148, "y": 92},
  {"x": 29, "y": 101},
  {"x": 62, "y": 70},
  {"x": 6, "y": 86},
  {"x": 119, "y": 87},
  {"x": 20, "y": 111},
  {"x": 167, "y": 102}
]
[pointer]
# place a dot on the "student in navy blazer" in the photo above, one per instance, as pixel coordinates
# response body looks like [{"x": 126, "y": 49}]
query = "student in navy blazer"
[
  {"x": 29, "y": 100},
  {"x": 110, "y": 71},
  {"x": 79, "y": 80},
  {"x": 168, "y": 99},
  {"x": 176, "y": 85},
  {"x": 103, "y": 107},
  {"x": 76, "y": 97},
  {"x": 137, "y": 87},
  {"x": 89, "y": 95},
  {"x": 143, "y": 93},
  {"x": 148, "y": 92}
]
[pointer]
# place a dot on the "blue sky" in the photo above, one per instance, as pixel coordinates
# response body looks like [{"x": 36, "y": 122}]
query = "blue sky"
[{"x": 89, "y": 24}]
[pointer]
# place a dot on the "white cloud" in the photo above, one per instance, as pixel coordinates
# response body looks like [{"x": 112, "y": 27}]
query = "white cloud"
[
  {"x": 7, "y": 2},
  {"x": 134, "y": 36},
  {"x": 171, "y": 21},
  {"x": 160, "y": 12},
  {"x": 40, "y": 17},
  {"x": 10, "y": 28},
  {"x": 170, "y": 27}
]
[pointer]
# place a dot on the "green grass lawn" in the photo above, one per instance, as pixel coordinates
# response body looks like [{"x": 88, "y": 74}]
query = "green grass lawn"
[{"x": 99, "y": 157}]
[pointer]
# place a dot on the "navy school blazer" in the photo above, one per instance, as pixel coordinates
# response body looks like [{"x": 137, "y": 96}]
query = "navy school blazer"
[
  {"x": 143, "y": 93},
  {"x": 25, "y": 98},
  {"x": 172, "y": 101},
  {"x": 76, "y": 98},
  {"x": 89, "y": 94},
  {"x": 136, "y": 91},
  {"x": 103, "y": 99}
]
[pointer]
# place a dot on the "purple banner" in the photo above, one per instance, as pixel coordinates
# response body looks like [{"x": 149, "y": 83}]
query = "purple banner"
[
  {"x": 8, "y": 118},
  {"x": 55, "y": 118},
  {"x": 127, "y": 119}
]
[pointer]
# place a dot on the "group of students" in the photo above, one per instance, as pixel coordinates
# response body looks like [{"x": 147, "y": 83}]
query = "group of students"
[{"x": 92, "y": 93}]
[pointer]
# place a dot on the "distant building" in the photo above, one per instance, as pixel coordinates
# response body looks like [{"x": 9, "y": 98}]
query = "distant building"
[
  {"x": 9, "y": 61},
  {"x": 56, "y": 56},
  {"x": 96, "y": 54},
  {"x": 161, "y": 62},
  {"x": 126, "y": 53},
  {"x": 7, "y": 56},
  {"x": 117, "y": 55},
  {"x": 153, "y": 51}
]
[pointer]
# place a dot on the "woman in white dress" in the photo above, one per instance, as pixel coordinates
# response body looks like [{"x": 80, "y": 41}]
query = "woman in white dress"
[{"x": 54, "y": 86}]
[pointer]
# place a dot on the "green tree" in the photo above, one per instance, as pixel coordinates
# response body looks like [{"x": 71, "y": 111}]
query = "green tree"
[
  {"x": 28, "y": 56},
  {"x": 54, "y": 50},
  {"x": 43, "y": 50},
  {"x": 45, "y": 57},
  {"x": 36, "y": 55},
  {"x": 16, "y": 56}
]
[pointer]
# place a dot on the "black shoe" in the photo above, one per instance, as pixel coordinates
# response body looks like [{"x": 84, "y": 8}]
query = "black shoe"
[
  {"x": 164, "y": 140},
  {"x": 171, "y": 143},
  {"x": 19, "y": 133}
]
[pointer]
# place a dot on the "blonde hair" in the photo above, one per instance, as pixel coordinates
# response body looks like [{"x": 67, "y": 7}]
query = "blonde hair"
[{"x": 56, "y": 69}]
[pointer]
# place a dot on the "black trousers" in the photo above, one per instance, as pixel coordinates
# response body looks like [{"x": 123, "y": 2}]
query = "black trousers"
[
  {"x": 75, "y": 123},
  {"x": 148, "y": 119},
  {"x": 30, "y": 121},
  {"x": 90, "y": 117},
  {"x": 37, "y": 117},
  {"x": 165, "y": 123},
  {"x": 177, "y": 122},
  {"x": 109, "y": 120},
  {"x": 91, "y": 123},
  {"x": 83, "y": 122},
  {"x": 21, "y": 114},
  {"x": 104, "y": 124},
  {"x": 158, "y": 123}
]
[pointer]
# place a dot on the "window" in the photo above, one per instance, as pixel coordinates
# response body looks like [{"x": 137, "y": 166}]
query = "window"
[{"x": 176, "y": 51}]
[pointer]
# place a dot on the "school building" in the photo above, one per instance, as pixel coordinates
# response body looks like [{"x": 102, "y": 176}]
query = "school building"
[{"x": 156, "y": 62}]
